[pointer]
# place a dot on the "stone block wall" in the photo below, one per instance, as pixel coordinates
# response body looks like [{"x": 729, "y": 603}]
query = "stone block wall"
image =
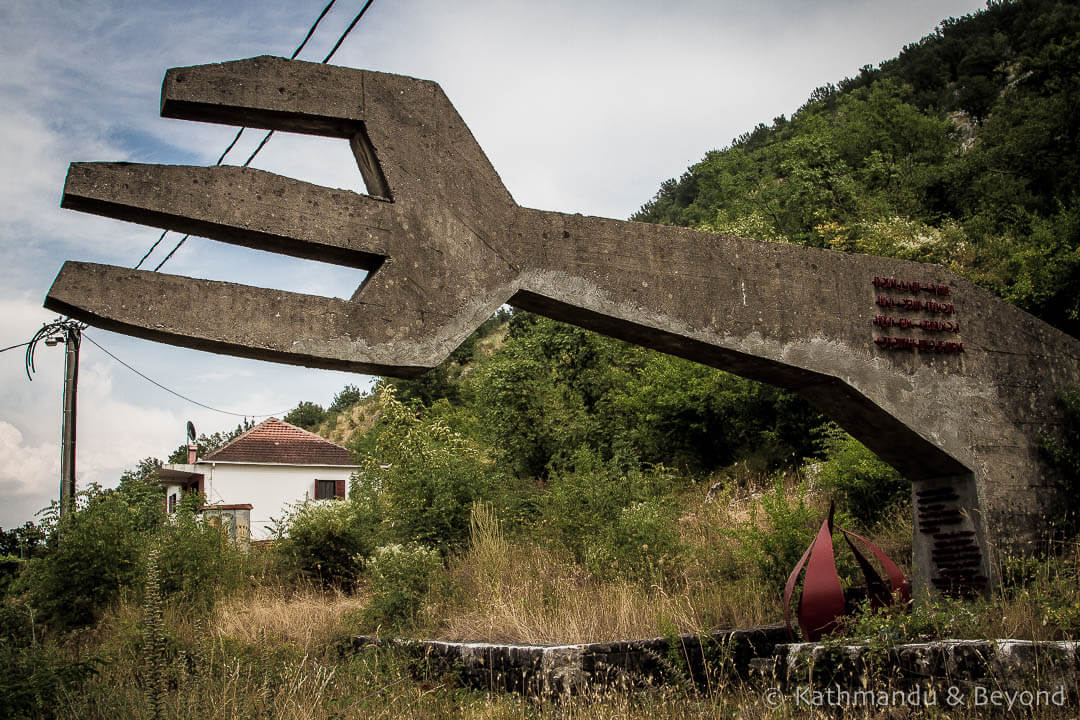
[{"x": 762, "y": 660}]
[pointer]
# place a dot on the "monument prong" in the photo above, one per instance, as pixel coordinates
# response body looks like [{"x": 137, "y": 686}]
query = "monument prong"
[{"x": 944, "y": 381}]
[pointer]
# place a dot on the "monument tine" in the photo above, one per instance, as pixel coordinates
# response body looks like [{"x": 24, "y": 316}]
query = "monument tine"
[{"x": 941, "y": 379}]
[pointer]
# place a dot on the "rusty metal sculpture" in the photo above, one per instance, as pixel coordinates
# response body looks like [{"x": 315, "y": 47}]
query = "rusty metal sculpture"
[
  {"x": 945, "y": 382},
  {"x": 822, "y": 602}
]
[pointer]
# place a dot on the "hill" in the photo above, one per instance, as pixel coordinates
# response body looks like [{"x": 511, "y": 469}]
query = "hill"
[{"x": 963, "y": 150}]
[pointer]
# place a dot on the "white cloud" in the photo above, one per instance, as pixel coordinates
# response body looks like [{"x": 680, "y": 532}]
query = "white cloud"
[
  {"x": 29, "y": 475},
  {"x": 24, "y": 469}
]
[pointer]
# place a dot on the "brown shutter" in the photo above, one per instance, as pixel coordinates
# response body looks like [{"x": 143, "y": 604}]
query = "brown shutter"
[{"x": 339, "y": 488}]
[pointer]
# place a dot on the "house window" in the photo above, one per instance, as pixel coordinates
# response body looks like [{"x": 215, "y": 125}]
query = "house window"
[
  {"x": 172, "y": 503},
  {"x": 329, "y": 489}
]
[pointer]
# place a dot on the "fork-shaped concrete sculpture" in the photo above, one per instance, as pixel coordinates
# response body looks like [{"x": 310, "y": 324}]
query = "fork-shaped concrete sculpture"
[{"x": 944, "y": 381}]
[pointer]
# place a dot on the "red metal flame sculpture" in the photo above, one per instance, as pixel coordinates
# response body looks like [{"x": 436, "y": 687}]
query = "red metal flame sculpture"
[{"x": 822, "y": 602}]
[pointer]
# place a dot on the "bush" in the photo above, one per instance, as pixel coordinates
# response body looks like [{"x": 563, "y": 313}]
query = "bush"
[
  {"x": 95, "y": 554},
  {"x": 789, "y": 529},
  {"x": 585, "y": 501},
  {"x": 400, "y": 578},
  {"x": 322, "y": 540},
  {"x": 864, "y": 486},
  {"x": 641, "y": 543},
  {"x": 34, "y": 676},
  {"x": 940, "y": 619},
  {"x": 423, "y": 477},
  {"x": 92, "y": 555},
  {"x": 1063, "y": 454},
  {"x": 196, "y": 560},
  {"x": 10, "y": 566}
]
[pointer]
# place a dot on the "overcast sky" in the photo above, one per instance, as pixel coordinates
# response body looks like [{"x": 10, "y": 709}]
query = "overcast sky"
[{"x": 581, "y": 106}]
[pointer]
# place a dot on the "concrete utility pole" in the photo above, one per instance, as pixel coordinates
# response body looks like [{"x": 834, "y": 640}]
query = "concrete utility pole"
[{"x": 72, "y": 340}]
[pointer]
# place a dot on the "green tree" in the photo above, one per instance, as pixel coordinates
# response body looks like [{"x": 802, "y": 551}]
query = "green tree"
[
  {"x": 423, "y": 478},
  {"x": 350, "y": 395},
  {"x": 209, "y": 443},
  {"x": 23, "y": 542},
  {"x": 865, "y": 487},
  {"x": 307, "y": 415}
]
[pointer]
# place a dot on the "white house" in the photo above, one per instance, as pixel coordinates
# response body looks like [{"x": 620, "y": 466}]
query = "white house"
[{"x": 254, "y": 477}]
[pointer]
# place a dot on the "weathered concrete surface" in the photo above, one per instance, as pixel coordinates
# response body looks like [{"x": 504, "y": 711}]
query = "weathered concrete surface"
[
  {"x": 952, "y": 386},
  {"x": 553, "y": 670},
  {"x": 947, "y": 673},
  {"x": 994, "y": 665}
]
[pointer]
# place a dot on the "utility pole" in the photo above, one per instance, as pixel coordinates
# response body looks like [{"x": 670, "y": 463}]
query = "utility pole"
[
  {"x": 72, "y": 340},
  {"x": 70, "y": 331}
]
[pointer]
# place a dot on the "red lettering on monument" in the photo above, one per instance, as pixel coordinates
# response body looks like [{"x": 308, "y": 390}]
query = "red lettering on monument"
[{"x": 909, "y": 304}]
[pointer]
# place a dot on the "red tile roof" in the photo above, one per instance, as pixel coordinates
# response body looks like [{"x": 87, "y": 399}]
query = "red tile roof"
[{"x": 275, "y": 441}]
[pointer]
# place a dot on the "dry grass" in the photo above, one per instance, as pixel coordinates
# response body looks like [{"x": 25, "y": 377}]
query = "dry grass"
[
  {"x": 353, "y": 421},
  {"x": 523, "y": 593},
  {"x": 305, "y": 618}
]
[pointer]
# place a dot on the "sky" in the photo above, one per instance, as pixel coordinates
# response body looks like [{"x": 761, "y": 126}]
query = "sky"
[{"x": 582, "y": 106}]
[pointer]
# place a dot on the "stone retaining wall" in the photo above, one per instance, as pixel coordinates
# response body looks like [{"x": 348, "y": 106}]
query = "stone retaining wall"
[
  {"x": 760, "y": 657},
  {"x": 964, "y": 664},
  {"x": 571, "y": 669}
]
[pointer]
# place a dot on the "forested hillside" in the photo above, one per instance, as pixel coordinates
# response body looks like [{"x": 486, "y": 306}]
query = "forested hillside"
[{"x": 963, "y": 150}]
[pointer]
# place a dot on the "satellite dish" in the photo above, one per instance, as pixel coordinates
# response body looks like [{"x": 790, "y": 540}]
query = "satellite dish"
[{"x": 190, "y": 432}]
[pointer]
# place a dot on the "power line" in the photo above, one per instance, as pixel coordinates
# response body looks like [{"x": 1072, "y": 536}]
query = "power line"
[
  {"x": 312, "y": 30},
  {"x": 173, "y": 392},
  {"x": 348, "y": 30},
  {"x": 269, "y": 133},
  {"x": 166, "y": 232},
  {"x": 12, "y": 347}
]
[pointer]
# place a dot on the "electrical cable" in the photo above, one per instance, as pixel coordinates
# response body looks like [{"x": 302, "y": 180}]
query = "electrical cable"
[
  {"x": 270, "y": 133},
  {"x": 173, "y": 392},
  {"x": 236, "y": 138},
  {"x": 348, "y": 30},
  {"x": 12, "y": 347},
  {"x": 70, "y": 328},
  {"x": 175, "y": 248},
  {"x": 312, "y": 30},
  {"x": 166, "y": 232}
]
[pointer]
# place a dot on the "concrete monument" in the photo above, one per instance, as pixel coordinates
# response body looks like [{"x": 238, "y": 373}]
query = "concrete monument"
[{"x": 941, "y": 379}]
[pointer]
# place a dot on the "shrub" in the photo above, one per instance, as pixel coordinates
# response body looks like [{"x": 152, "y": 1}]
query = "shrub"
[
  {"x": 34, "y": 676},
  {"x": 585, "y": 501},
  {"x": 1063, "y": 454},
  {"x": 321, "y": 540},
  {"x": 10, "y": 566},
  {"x": 864, "y": 486},
  {"x": 92, "y": 554},
  {"x": 400, "y": 578},
  {"x": 790, "y": 525},
  {"x": 940, "y": 619},
  {"x": 423, "y": 477},
  {"x": 196, "y": 560},
  {"x": 642, "y": 542}
]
